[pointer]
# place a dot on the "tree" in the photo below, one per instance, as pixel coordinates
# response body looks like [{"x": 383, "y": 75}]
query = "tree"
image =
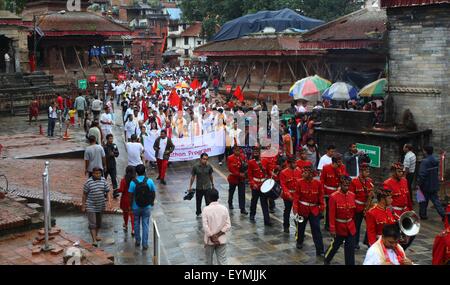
[
  {"x": 217, "y": 12},
  {"x": 15, "y": 6}
]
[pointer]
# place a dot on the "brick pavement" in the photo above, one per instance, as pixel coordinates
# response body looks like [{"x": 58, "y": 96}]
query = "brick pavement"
[{"x": 24, "y": 249}]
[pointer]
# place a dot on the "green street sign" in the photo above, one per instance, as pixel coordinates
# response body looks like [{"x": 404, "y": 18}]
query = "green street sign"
[
  {"x": 82, "y": 84},
  {"x": 373, "y": 151}
]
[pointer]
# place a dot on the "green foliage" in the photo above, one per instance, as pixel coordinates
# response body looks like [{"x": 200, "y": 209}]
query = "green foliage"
[
  {"x": 217, "y": 12},
  {"x": 15, "y": 6}
]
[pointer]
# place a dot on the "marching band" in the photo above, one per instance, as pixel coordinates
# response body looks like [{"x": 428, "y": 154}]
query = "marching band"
[{"x": 344, "y": 201}]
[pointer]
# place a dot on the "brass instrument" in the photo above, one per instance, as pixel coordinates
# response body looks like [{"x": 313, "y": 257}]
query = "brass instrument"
[
  {"x": 298, "y": 219},
  {"x": 409, "y": 224}
]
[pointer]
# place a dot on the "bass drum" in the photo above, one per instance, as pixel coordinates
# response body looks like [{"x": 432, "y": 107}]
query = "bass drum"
[{"x": 271, "y": 189}]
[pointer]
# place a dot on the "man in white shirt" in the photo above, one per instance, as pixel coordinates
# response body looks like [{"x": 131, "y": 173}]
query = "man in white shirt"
[
  {"x": 130, "y": 128},
  {"x": 52, "y": 116},
  {"x": 326, "y": 158},
  {"x": 387, "y": 251},
  {"x": 275, "y": 111},
  {"x": 234, "y": 136},
  {"x": 135, "y": 151},
  {"x": 96, "y": 107},
  {"x": 106, "y": 122},
  {"x": 216, "y": 223},
  {"x": 300, "y": 107},
  {"x": 409, "y": 163}
]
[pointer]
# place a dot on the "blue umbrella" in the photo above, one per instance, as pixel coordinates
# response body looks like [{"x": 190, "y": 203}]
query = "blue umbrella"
[{"x": 340, "y": 91}]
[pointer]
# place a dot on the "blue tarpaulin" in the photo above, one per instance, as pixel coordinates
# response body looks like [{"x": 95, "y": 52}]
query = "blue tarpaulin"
[{"x": 252, "y": 23}]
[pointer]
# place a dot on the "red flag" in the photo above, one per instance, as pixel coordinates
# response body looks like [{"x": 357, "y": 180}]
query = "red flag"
[
  {"x": 145, "y": 110},
  {"x": 154, "y": 86},
  {"x": 238, "y": 94},
  {"x": 174, "y": 99},
  {"x": 195, "y": 84}
]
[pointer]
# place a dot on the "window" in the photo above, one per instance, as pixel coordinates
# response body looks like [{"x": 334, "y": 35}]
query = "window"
[
  {"x": 199, "y": 42},
  {"x": 184, "y": 27},
  {"x": 186, "y": 41},
  {"x": 186, "y": 52},
  {"x": 173, "y": 28},
  {"x": 174, "y": 42}
]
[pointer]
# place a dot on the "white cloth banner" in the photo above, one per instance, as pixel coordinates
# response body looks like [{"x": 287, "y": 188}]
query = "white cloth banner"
[{"x": 189, "y": 148}]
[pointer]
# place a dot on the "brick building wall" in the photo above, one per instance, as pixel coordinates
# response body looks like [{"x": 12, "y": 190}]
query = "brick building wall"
[{"x": 419, "y": 47}]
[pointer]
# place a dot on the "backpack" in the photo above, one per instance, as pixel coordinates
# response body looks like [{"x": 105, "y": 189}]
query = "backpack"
[{"x": 142, "y": 194}]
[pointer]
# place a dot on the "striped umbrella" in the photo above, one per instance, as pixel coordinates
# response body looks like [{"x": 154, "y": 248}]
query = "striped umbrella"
[
  {"x": 340, "y": 91},
  {"x": 374, "y": 89},
  {"x": 308, "y": 86}
]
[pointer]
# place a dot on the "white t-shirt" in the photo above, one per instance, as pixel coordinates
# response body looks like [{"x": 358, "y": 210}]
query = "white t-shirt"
[
  {"x": 134, "y": 150},
  {"x": 162, "y": 148},
  {"x": 97, "y": 105},
  {"x": 106, "y": 118},
  {"x": 300, "y": 109},
  {"x": 324, "y": 160},
  {"x": 130, "y": 128},
  {"x": 410, "y": 161}
]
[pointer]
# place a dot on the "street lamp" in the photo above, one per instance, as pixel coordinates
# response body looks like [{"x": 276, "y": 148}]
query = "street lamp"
[{"x": 35, "y": 25}]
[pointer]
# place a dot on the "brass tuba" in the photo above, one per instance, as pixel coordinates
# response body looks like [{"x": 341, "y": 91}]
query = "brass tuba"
[
  {"x": 298, "y": 219},
  {"x": 409, "y": 224}
]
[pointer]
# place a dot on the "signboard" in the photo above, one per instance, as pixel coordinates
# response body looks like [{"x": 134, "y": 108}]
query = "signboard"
[
  {"x": 92, "y": 78},
  {"x": 373, "y": 151},
  {"x": 189, "y": 148},
  {"x": 82, "y": 84}
]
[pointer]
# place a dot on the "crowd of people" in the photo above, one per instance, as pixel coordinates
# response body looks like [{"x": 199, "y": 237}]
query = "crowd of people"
[{"x": 314, "y": 186}]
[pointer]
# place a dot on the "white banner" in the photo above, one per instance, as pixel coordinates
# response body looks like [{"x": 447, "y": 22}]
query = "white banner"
[{"x": 189, "y": 148}]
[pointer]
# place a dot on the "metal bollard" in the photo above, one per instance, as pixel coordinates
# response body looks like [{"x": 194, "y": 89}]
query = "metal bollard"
[
  {"x": 47, "y": 197},
  {"x": 46, "y": 210},
  {"x": 156, "y": 245}
]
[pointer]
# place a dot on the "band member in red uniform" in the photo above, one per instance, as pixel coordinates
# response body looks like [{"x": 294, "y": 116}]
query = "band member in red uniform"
[
  {"x": 303, "y": 161},
  {"x": 362, "y": 186},
  {"x": 308, "y": 203},
  {"x": 397, "y": 183},
  {"x": 379, "y": 215},
  {"x": 330, "y": 180},
  {"x": 441, "y": 245},
  {"x": 401, "y": 200},
  {"x": 237, "y": 164},
  {"x": 342, "y": 222},
  {"x": 273, "y": 162},
  {"x": 289, "y": 178},
  {"x": 256, "y": 176}
]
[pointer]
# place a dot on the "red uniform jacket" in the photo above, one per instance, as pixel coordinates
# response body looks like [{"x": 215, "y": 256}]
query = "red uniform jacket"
[
  {"x": 362, "y": 188},
  {"x": 441, "y": 248},
  {"x": 376, "y": 218},
  {"x": 342, "y": 213},
  {"x": 308, "y": 198},
  {"x": 255, "y": 175},
  {"x": 330, "y": 178},
  {"x": 303, "y": 163},
  {"x": 401, "y": 201},
  {"x": 288, "y": 180},
  {"x": 270, "y": 164},
  {"x": 234, "y": 164}
]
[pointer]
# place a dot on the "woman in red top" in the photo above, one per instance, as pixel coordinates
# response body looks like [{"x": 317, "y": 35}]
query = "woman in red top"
[{"x": 125, "y": 201}]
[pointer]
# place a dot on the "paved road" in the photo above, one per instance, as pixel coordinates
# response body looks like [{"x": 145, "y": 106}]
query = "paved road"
[{"x": 182, "y": 236}]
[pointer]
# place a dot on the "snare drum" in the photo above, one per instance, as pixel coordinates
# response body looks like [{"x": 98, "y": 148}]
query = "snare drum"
[{"x": 271, "y": 189}]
